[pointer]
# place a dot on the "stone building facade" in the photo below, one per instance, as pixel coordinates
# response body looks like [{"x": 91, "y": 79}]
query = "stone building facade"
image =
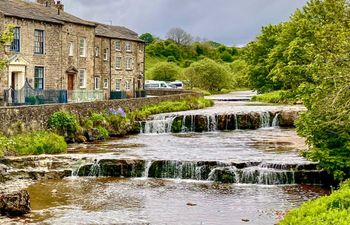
[{"x": 54, "y": 50}]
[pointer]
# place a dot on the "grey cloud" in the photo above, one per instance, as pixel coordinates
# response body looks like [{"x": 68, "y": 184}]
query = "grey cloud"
[{"x": 226, "y": 21}]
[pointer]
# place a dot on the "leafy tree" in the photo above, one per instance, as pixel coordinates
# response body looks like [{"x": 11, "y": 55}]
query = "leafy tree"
[
  {"x": 147, "y": 37},
  {"x": 165, "y": 72},
  {"x": 207, "y": 75},
  {"x": 180, "y": 36},
  {"x": 6, "y": 37}
]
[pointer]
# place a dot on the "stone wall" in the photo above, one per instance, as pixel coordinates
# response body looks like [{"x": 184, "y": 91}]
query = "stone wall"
[
  {"x": 35, "y": 117},
  {"x": 163, "y": 92}
]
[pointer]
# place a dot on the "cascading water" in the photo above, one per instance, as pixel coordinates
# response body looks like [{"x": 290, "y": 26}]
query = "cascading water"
[
  {"x": 159, "y": 125},
  {"x": 275, "y": 121},
  {"x": 264, "y": 119}
]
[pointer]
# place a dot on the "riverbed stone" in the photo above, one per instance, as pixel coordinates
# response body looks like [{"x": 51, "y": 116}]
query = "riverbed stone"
[
  {"x": 15, "y": 204},
  {"x": 176, "y": 126},
  {"x": 248, "y": 121},
  {"x": 226, "y": 122},
  {"x": 288, "y": 118},
  {"x": 200, "y": 123}
]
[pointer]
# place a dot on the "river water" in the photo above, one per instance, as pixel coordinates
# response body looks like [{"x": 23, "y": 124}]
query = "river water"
[{"x": 145, "y": 200}]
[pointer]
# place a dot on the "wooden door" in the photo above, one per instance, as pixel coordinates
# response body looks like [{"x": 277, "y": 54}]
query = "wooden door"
[{"x": 70, "y": 82}]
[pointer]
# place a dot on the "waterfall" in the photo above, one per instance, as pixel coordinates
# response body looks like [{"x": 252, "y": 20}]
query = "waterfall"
[
  {"x": 275, "y": 121},
  {"x": 211, "y": 123},
  {"x": 159, "y": 125},
  {"x": 264, "y": 119},
  {"x": 236, "y": 122},
  {"x": 148, "y": 165},
  {"x": 95, "y": 169}
]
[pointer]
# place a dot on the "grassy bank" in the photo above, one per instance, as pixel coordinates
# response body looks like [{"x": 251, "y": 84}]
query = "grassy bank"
[
  {"x": 333, "y": 209},
  {"x": 278, "y": 97},
  {"x": 66, "y": 127},
  {"x": 36, "y": 143}
]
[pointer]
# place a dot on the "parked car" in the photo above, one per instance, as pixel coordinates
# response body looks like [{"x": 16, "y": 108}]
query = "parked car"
[{"x": 155, "y": 84}]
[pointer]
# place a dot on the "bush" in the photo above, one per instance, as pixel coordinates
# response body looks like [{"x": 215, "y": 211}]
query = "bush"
[
  {"x": 64, "y": 124},
  {"x": 33, "y": 144},
  {"x": 272, "y": 97},
  {"x": 333, "y": 209},
  {"x": 165, "y": 71}
]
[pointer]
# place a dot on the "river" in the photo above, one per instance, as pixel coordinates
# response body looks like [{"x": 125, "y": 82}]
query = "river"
[{"x": 258, "y": 170}]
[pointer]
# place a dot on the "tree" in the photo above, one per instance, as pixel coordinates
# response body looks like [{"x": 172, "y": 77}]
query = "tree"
[
  {"x": 207, "y": 75},
  {"x": 147, "y": 37},
  {"x": 6, "y": 38},
  {"x": 165, "y": 71},
  {"x": 180, "y": 36}
]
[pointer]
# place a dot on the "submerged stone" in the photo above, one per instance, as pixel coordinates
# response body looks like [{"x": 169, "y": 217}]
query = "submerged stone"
[{"x": 15, "y": 204}]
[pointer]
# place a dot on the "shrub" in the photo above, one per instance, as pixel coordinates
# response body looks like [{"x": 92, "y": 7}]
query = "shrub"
[
  {"x": 33, "y": 144},
  {"x": 272, "y": 97},
  {"x": 104, "y": 134},
  {"x": 64, "y": 124}
]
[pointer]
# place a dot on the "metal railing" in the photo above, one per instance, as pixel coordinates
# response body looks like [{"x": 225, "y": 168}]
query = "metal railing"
[
  {"x": 30, "y": 96},
  {"x": 86, "y": 95}
]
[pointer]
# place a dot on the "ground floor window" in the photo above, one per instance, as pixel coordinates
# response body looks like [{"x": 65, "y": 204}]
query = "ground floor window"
[
  {"x": 118, "y": 85},
  {"x": 105, "y": 83},
  {"x": 97, "y": 83},
  {"x": 82, "y": 78},
  {"x": 128, "y": 85},
  {"x": 39, "y": 78}
]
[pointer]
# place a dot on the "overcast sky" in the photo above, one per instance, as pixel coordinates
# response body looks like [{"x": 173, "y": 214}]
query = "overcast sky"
[{"x": 233, "y": 22}]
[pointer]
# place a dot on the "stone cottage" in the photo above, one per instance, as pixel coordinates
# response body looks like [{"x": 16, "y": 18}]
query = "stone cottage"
[{"x": 54, "y": 50}]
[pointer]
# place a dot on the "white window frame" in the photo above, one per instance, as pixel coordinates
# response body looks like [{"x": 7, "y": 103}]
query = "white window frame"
[
  {"x": 118, "y": 85},
  {"x": 82, "y": 47},
  {"x": 97, "y": 83},
  {"x": 82, "y": 80},
  {"x": 129, "y": 62},
  {"x": 118, "y": 62},
  {"x": 105, "y": 54},
  {"x": 118, "y": 47},
  {"x": 105, "y": 83},
  {"x": 128, "y": 46}
]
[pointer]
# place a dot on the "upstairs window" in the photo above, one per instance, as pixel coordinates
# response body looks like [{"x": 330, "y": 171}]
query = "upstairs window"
[
  {"x": 129, "y": 63},
  {"x": 118, "y": 45},
  {"x": 38, "y": 41},
  {"x": 128, "y": 46},
  {"x": 105, "y": 54},
  {"x": 16, "y": 43},
  {"x": 82, "y": 78},
  {"x": 39, "y": 78},
  {"x": 82, "y": 47},
  {"x": 118, "y": 62},
  {"x": 71, "y": 49}
]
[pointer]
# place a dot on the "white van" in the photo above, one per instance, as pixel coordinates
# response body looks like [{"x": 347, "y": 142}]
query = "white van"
[
  {"x": 177, "y": 84},
  {"x": 155, "y": 84}
]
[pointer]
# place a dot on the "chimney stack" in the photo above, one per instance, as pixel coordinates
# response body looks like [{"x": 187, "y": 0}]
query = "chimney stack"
[
  {"x": 59, "y": 6},
  {"x": 47, "y": 3}
]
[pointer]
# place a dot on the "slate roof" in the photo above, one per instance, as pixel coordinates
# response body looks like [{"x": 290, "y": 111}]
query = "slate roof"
[
  {"x": 29, "y": 10},
  {"x": 116, "y": 32}
]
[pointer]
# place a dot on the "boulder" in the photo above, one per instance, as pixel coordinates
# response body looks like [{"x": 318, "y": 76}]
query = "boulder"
[
  {"x": 15, "y": 204},
  {"x": 287, "y": 118},
  {"x": 81, "y": 139}
]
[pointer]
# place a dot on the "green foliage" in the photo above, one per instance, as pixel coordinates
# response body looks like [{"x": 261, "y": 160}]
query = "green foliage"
[
  {"x": 33, "y": 144},
  {"x": 104, "y": 134},
  {"x": 64, "y": 124},
  {"x": 333, "y": 209},
  {"x": 208, "y": 75},
  {"x": 239, "y": 73},
  {"x": 6, "y": 37},
  {"x": 272, "y": 97},
  {"x": 147, "y": 37},
  {"x": 165, "y": 72}
]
